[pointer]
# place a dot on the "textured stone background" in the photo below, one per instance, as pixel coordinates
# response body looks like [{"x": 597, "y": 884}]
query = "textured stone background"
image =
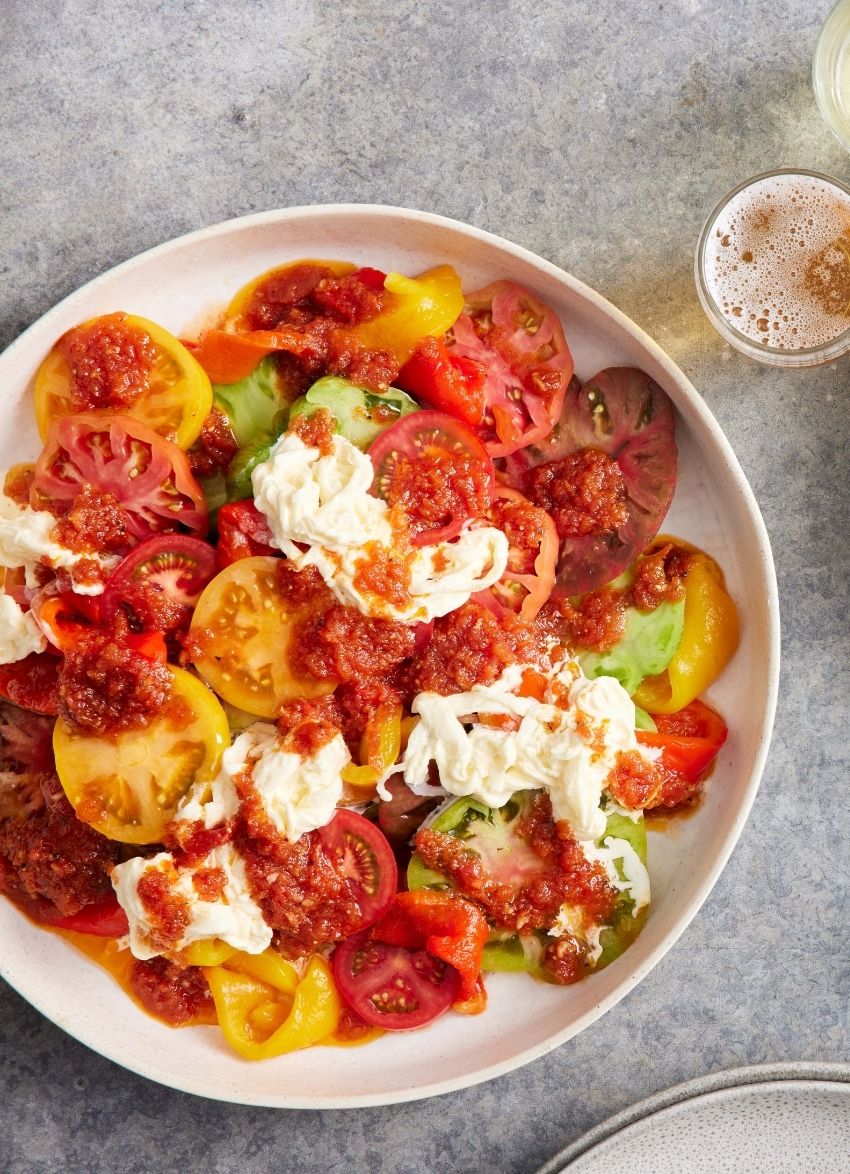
[{"x": 597, "y": 133}]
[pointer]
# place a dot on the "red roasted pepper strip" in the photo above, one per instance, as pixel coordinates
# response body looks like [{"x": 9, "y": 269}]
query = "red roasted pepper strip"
[
  {"x": 446, "y": 925},
  {"x": 688, "y": 739},
  {"x": 242, "y": 533},
  {"x": 448, "y": 382}
]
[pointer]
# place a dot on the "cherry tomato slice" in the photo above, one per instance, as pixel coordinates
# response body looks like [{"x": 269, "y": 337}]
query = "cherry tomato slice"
[
  {"x": 437, "y": 470},
  {"x": 520, "y": 342},
  {"x": 392, "y": 987},
  {"x": 243, "y": 532},
  {"x": 532, "y": 556},
  {"x": 103, "y": 919},
  {"x": 170, "y": 568},
  {"x": 366, "y": 860},
  {"x": 149, "y": 476}
]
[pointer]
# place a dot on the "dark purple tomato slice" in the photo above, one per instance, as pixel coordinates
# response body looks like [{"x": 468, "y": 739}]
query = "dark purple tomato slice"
[
  {"x": 163, "y": 577},
  {"x": 26, "y": 759},
  {"x": 392, "y": 987},
  {"x": 401, "y": 815},
  {"x": 366, "y": 861},
  {"x": 625, "y": 414}
]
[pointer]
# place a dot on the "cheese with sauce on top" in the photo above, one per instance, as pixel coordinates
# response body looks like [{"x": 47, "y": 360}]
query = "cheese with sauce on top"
[
  {"x": 323, "y": 502},
  {"x": 25, "y": 541}
]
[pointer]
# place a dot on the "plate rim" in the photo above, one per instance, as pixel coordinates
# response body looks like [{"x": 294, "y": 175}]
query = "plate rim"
[
  {"x": 750, "y": 1076},
  {"x": 764, "y": 554}
]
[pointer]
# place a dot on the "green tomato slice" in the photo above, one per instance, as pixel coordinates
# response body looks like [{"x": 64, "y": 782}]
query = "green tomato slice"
[
  {"x": 360, "y": 415},
  {"x": 252, "y": 404},
  {"x": 648, "y": 644}
]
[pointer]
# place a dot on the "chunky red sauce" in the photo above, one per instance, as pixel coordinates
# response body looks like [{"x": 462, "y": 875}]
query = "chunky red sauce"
[
  {"x": 433, "y": 490},
  {"x": 167, "y": 910},
  {"x": 315, "y": 431},
  {"x": 299, "y": 294},
  {"x": 307, "y": 725},
  {"x": 106, "y": 687},
  {"x": 383, "y": 573},
  {"x": 584, "y": 492},
  {"x": 96, "y": 521},
  {"x": 596, "y": 621},
  {"x": 471, "y": 646},
  {"x": 340, "y": 643},
  {"x": 216, "y": 446},
  {"x": 52, "y": 855},
  {"x": 110, "y": 362},
  {"x": 173, "y": 993},
  {"x": 660, "y": 577}
]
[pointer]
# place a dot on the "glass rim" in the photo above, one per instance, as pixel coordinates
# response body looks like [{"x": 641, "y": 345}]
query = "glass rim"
[
  {"x": 821, "y": 91},
  {"x": 779, "y": 356}
]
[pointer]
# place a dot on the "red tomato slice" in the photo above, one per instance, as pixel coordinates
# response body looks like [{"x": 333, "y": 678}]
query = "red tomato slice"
[
  {"x": 366, "y": 861},
  {"x": 392, "y": 987},
  {"x": 521, "y": 343},
  {"x": 436, "y": 470},
  {"x": 532, "y": 555},
  {"x": 32, "y": 683},
  {"x": 242, "y": 533},
  {"x": 623, "y": 413},
  {"x": 170, "y": 568},
  {"x": 149, "y": 476}
]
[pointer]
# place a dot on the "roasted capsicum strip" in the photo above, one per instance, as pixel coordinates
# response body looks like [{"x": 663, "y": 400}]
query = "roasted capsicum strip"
[
  {"x": 264, "y": 1010},
  {"x": 446, "y": 925},
  {"x": 709, "y": 638}
]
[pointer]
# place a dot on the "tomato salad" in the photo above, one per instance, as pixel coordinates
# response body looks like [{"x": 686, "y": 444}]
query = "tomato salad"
[{"x": 341, "y": 657}]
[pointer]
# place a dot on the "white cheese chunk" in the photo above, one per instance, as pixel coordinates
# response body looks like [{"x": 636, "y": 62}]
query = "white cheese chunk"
[
  {"x": 25, "y": 541},
  {"x": 234, "y": 918},
  {"x": 19, "y": 633},
  {"x": 567, "y": 749},
  {"x": 323, "y": 503}
]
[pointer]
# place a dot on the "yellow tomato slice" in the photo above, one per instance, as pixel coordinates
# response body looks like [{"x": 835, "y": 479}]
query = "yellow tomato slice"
[
  {"x": 245, "y": 626},
  {"x": 175, "y": 405},
  {"x": 127, "y": 786},
  {"x": 234, "y": 315}
]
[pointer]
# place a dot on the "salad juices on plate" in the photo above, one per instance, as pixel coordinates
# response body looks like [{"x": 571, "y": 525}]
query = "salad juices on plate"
[{"x": 341, "y": 655}]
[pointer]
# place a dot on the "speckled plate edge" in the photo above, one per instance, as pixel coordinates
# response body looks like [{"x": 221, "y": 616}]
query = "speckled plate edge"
[
  {"x": 754, "y": 1074},
  {"x": 762, "y": 553}
]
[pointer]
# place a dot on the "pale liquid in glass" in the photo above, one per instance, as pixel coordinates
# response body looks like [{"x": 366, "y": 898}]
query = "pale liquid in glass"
[{"x": 777, "y": 261}]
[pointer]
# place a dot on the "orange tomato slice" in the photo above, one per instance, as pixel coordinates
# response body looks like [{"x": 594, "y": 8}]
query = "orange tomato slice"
[
  {"x": 244, "y": 626},
  {"x": 175, "y": 404}
]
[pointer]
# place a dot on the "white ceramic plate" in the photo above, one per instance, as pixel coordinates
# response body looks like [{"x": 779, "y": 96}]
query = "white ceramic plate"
[
  {"x": 773, "y": 1118},
  {"x": 184, "y": 282}
]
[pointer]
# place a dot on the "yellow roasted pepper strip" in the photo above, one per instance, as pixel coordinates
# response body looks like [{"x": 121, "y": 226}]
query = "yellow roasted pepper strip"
[
  {"x": 420, "y": 306},
  {"x": 209, "y": 953},
  {"x": 710, "y": 637},
  {"x": 380, "y": 747},
  {"x": 246, "y": 1009}
]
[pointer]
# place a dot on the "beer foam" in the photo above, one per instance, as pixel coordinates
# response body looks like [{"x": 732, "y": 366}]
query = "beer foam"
[{"x": 777, "y": 261}]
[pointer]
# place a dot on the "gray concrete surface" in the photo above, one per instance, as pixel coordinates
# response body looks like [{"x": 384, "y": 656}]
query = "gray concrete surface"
[{"x": 597, "y": 133}]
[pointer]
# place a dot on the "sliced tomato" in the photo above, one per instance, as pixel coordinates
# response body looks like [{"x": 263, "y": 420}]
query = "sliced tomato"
[
  {"x": 127, "y": 785},
  {"x": 445, "y": 380},
  {"x": 520, "y": 342},
  {"x": 445, "y": 924},
  {"x": 103, "y": 919},
  {"x": 149, "y": 476},
  {"x": 243, "y": 532},
  {"x": 436, "y": 470},
  {"x": 392, "y": 987},
  {"x": 171, "y": 568},
  {"x": 175, "y": 397},
  {"x": 532, "y": 555},
  {"x": 244, "y": 626},
  {"x": 401, "y": 814},
  {"x": 26, "y": 758},
  {"x": 625, "y": 414},
  {"x": 688, "y": 740},
  {"x": 366, "y": 861},
  {"x": 32, "y": 683}
]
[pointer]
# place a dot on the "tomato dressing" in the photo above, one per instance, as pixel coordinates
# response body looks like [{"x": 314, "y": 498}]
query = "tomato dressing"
[
  {"x": 95, "y": 521},
  {"x": 584, "y": 492},
  {"x": 110, "y": 363}
]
